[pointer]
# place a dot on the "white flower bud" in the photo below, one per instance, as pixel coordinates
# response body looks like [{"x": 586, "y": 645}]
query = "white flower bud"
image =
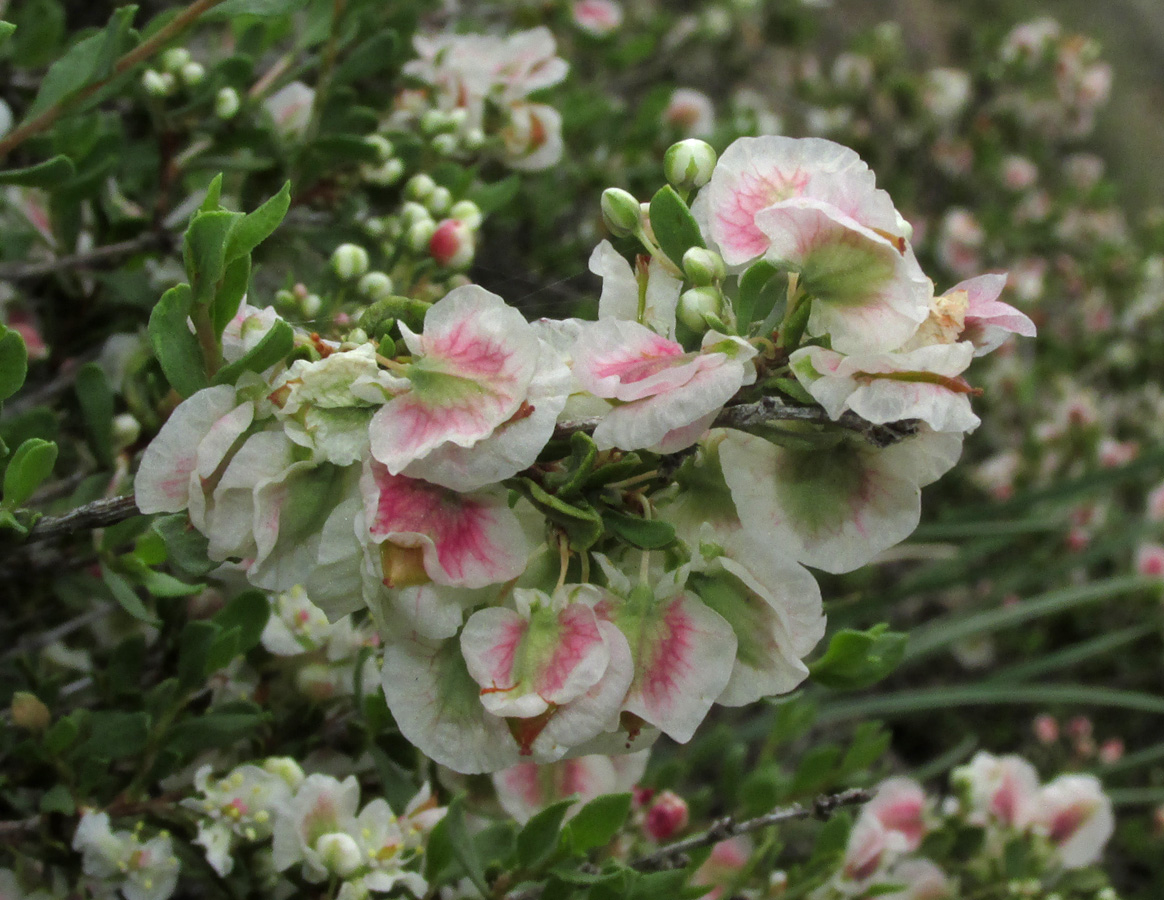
[
  {"x": 226, "y": 103},
  {"x": 157, "y": 84},
  {"x": 419, "y": 234},
  {"x": 311, "y": 305},
  {"x": 411, "y": 213},
  {"x": 445, "y": 144},
  {"x": 349, "y": 261},
  {"x": 381, "y": 145},
  {"x": 175, "y": 58},
  {"x": 474, "y": 139},
  {"x": 620, "y": 211},
  {"x": 192, "y": 73},
  {"x": 376, "y": 286},
  {"x": 457, "y": 118},
  {"x": 434, "y": 122},
  {"x": 339, "y": 852},
  {"x": 355, "y": 336},
  {"x": 468, "y": 212},
  {"x": 375, "y": 227},
  {"x": 697, "y": 302},
  {"x": 689, "y": 164},
  {"x": 703, "y": 266},
  {"x": 419, "y": 187},
  {"x": 384, "y": 175},
  {"x": 126, "y": 430},
  {"x": 439, "y": 200}
]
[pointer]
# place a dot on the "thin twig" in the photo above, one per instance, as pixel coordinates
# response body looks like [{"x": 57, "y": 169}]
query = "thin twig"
[
  {"x": 767, "y": 410},
  {"x": 143, "y": 51},
  {"x": 88, "y": 259},
  {"x": 98, "y": 514},
  {"x": 821, "y": 808}
]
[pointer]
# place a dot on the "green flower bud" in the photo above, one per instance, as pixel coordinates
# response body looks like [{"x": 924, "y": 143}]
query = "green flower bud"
[
  {"x": 384, "y": 175},
  {"x": 621, "y": 212},
  {"x": 381, "y": 145},
  {"x": 445, "y": 144},
  {"x": 311, "y": 305},
  {"x": 375, "y": 286},
  {"x": 689, "y": 164},
  {"x": 703, "y": 267},
  {"x": 411, "y": 213},
  {"x": 468, "y": 212},
  {"x": 694, "y": 304},
  {"x": 434, "y": 122},
  {"x": 126, "y": 430},
  {"x": 226, "y": 103},
  {"x": 419, "y": 187},
  {"x": 474, "y": 139},
  {"x": 349, "y": 261},
  {"x": 439, "y": 200},
  {"x": 157, "y": 84},
  {"x": 192, "y": 73},
  {"x": 419, "y": 234},
  {"x": 175, "y": 58}
]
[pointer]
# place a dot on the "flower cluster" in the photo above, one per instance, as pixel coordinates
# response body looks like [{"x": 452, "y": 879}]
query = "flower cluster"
[
  {"x": 1061, "y": 825},
  {"x": 120, "y": 861},
  {"x": 311, "y": 826},
  {"x": 425, "y": 475}
]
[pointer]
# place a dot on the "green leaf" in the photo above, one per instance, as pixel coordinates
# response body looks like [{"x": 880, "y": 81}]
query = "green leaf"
[
  {"x": 581, "y": 523},
  {"x": 276, "y": 344},
  {"x": 675, "y": 228},
  {"x": 223, "y": 649},
  {"x": 229, "y": 293},
  {"x": 215, "y": 729},
  {"x": 248, "y": 612},
  {"x": 815, "y": 770},
  {"x": 6, "y": 29},
  {"x": 832, "y": 839},
  {"x": 96, "y": 401},
  {"x": 462, "y": 846},
  {"x": 260, "y": 8},
  {"x": 174, "y": 344},
  {"x": 857, "y": 659},
  {"x": 646, "y": 534},
  {"x": 49, "y": 174},
  {"x": 793, "y": 389},
  {"x": 30, "y": 465},
  {"x": 126, "y": 596},
  {"x": 210, "y": 203},
  {"x": 193, "y": 652},
  {"x": 204, "y": 252},
  {"x": 185, "y": 546},
  {"x": 13, "y": 362},
  {"x": 598, "y": 822},
  {"x": 374, "y": 55},
  {"x": 87, "y": 61},
  {"x": 159, "y": 584},
  {"x": 492, "y": 197},
  {"x": 115, "y": 735},
  {"x": 256, "y": 227},
  {"x": 57, "y": 799},
  {"x": 870, "y": 742},
  {"x": 539, "y": 836},
  {"x": 62, "y": 735},
  {"x": 753, "y": 284}
]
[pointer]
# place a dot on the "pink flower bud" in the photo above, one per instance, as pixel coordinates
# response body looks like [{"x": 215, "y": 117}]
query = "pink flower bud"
[
  {"x": 451, "y": 245},
  {"x": 1046, "y": 729},
  {"x": 1150, "y": 560},
  {"x": 1079, "y": 727},
  {"x": 1111, "y": 750},
  {"x": 666, "y": 817}
]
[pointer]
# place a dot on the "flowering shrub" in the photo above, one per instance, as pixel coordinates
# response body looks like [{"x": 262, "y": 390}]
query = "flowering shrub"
[{"x": 360, "y": 546}]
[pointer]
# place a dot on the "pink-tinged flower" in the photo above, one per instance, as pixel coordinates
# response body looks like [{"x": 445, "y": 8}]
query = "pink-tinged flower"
[
  {"x": 620, "y": 290},
  {"x": 833, "y": 507},
  {"x": 429, "y": 533},
  {"x": 989, "y": 321},
  {"x": 1076, "y": 816},
  {"x": 1002, "y": 789},
  {"x": 867, "y": 290},
  {"x": 322, "y": 806},
  {"x": 1111, "y": 750},
  {"x": 665, "y": 817},
  {"x": 683, "y": 650},
  {"x": 690, "y": 111},
  {"x": 945, "y": 93},
  {"x": 1150, "y": 560},
  {"x": 723, "y": 866},
  {"x": 596, "y": 17},
  {"x": 532, "y": 136},
  {"x": 923, "y": 880},
  {"x": 171, "y": 465},
  {"x": 1046, "y": 728},
  {"x": 866, "y": 851},
  {"x": 960, "y": 242},
  {"x": 290, "y": 108},
  {"x": 900, "y": 806},
  {"x": 243, "y": 333},
  {"x": 1114, "y": 453},
  {"x": 524, "y": 789},
  {"x": 923, "y": 383},
  {"x": 666, "y": 396},
  {"x": 756, "y": 173},
  {"x": 477, "y": 368},
  {"x": 773, "y": 605},
  {"x": 25, "y": 324}
]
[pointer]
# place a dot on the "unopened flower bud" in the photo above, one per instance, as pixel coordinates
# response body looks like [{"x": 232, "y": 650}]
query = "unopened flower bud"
[
  {"x": 434, "y": 121},
  {"x": 349, "y": 261},
  {"x": 192, "y": 73},
  {"x": 311, "y": 305},
  {"x": 439, "y": 200},
  {"x": 157, "y": 84},
  {"x": 375, "y": 286},
  {"x": 689, "y": 164},
  {"x": 412, "y": 213},
  {"x": 419, "y": 234},
  {"x": 29, "y": 713},
  {"x": 339, "y": 852},
  {"x": 175, "y": 58},
  {"x": 468, "y": 212},
  {"x": 620, "y": 211},
  {"x": 474, "y": 139},
  {"x": 356, "y": 336},
  {"x": 1046, "y": 728},
  {"x": 445, "y": 144},
  {"x": 381, "y": 145},
  {"x": 315, "y": 680},
  {"x": 384, "y": 175},
  {"x": 419, "y": 187},
  {"x": 286, "y": 768},
  {"x": 226, "y": 103},
  {"x": 703, "y": 267},
  {"x": 126, "y": 430},
  {"x": 666, "y": 817},
  {"x": 696, "y": 303},
  {"x": 452, "y": 244}
]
